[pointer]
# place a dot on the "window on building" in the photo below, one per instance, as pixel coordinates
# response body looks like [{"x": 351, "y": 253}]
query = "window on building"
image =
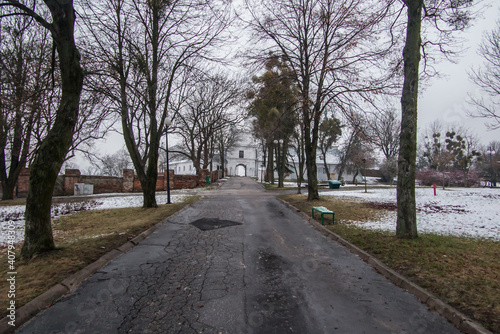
[
  {"x": 184, "y": 168},
  {"x": 242, "y": 154}
]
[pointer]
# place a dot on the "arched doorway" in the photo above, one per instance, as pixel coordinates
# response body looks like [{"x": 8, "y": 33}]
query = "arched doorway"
[{"x": 241, "y": 170}]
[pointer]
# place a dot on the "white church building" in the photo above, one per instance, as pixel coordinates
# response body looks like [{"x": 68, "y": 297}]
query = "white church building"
[{"x": 245, "y": 159}]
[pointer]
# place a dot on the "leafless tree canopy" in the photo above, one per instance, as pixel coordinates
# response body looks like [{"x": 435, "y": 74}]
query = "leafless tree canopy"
[
  {"x": 338, "y": 51},
  {"x": 26, "y": 95},
  {"x": 383, "y": 131},
  {"x": 144, "y": 52},
  {"x": 487, "y": 78},
  {"x": 210, "y": 112},
  {"x": 30, "y": 91}
]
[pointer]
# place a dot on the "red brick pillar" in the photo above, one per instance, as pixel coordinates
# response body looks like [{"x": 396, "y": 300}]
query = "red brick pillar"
[
  {"x": 171, "y": 177},
  {"x": 128, "y": 181},
  {"x": 202, "y": 177},
  {"x": 23, "y": 182},
  {"x": 71, "y": 176}
]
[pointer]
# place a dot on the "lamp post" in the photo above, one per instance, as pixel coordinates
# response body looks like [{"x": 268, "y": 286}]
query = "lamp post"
[
  {"x": 168, "y": 123},
  {"x": 261, "y": 172}
]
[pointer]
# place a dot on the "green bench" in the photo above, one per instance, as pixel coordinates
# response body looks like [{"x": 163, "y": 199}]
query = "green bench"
[{"x": 324, "y": 211}]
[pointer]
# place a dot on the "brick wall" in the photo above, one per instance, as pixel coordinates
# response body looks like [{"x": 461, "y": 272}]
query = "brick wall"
[
  {"x": 71, "y": 176},
  {"x": 109, "y": 184},
  {"x": 23, "y": 182},
  {"x": 128, "y": 181},
  {"x": 103, "y": 184},
  {"x": 185, "y": 181}
]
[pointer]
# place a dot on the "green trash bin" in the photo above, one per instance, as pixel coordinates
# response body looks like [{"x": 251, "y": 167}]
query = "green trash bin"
[
  {"x": 334, "y": 184},
  {"x": 207, "y": 179}
]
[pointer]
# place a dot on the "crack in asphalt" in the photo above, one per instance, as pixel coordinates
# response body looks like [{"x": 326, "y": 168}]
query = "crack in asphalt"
[{"x": 169, "y": 293}]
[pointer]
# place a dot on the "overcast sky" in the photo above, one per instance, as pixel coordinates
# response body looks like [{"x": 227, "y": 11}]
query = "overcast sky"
[
  {"x": 442, "y": 98},
  {"x": 445, "y": 98}
]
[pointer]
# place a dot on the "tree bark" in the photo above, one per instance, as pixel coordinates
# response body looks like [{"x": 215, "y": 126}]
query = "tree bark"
[
  {"x": 325, "y": 164},
  {"x": 406, "y": 226},
  {"x": 53, "y": 149},
  {"x": 270, "y": 164},
  {"x": 222, "y": 160},
  {"x": 312, "y": 169}
]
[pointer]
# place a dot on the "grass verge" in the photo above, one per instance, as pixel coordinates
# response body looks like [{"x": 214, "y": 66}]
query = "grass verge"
[
  {"x": 463, "y": 272},
  {"x": 81, "y": 238}
]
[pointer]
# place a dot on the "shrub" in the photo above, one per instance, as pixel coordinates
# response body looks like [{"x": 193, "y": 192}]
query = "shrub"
[{"x": 453, "y": 178}]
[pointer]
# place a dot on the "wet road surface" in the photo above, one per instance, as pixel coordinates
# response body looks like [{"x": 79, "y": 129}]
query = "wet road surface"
[{"x": 238, "y": 261}]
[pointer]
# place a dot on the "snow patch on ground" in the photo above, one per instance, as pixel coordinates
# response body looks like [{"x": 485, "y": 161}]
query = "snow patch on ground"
[
  {"x": 468, "y": 212},
  {"x": 12, "y": 217}
]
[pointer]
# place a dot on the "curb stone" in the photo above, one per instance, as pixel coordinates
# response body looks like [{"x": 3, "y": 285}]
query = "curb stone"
[
  {"x": 71, "y": 283},
  {"x": 455, "y": 317}
]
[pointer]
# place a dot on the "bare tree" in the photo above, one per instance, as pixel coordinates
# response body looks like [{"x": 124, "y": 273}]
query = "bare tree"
[
  {"x": 54, "y": 147},
  {"x": 463, "y": 148},
  {"x": 383, "y": 131},
  {"x": 360, "y": 157},
  {"x": 487, "y": 78},
  {"x": 31, "y": 88},
  {"x": 297, "y": 145},
  {"x": 113, "y": 164},
  {"x": 335, "y": 50},
  {"x": 209, "y": 112},
  {"x": 146, "y": 50},
  {"x": 427, "y": 144},
  {"x": 24, "y": 84},
  {"x": 347, "y": 150},
  {"x": 440, "y": 157},
  {"x": 329, "y": 132},
  {"x": 226, "y": 139},
  {"x": 446, "y": 17},
  {"x": 490, "y": 166}
]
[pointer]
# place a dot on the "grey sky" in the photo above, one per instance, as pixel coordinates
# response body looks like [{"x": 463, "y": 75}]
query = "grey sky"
[
  {"x": 445, "y": 98},
  {"x": 442, "y": 98}
]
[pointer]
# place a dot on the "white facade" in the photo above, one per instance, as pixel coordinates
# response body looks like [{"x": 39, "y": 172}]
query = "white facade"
[
  {"x": 333, "y": 163},
  {"x": 243, "y": 159},
  {"x": 182, "y": 167}
]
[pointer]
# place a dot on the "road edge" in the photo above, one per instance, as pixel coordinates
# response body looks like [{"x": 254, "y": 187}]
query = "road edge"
[
  {"x": 72, "y": 282},
  {"x": 455, "y": 317}
]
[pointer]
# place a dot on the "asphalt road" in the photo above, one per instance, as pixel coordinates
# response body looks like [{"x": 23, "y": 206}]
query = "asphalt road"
[{"x": 248, "y": 264}]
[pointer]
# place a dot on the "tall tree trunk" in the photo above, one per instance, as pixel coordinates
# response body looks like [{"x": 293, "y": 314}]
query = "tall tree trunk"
[
  {"x": 270, "y": 164},
  {"x": 222, "y": 160},
  {"x": 325, "y": 164},
  {"x": 310, "y": 147},
  {"x": 301, "y": 165},
  {"x": 264, "y": 160},
  {"x": 341, "y": 171},
  {"x": 9, "y": 184},
  {"x": 149, "y": 183},
  {"x": 406, "y": 226},
  {"x": 53, "y": 149},
  {"x": 312, "y": 169},
  {"x": 355, "y": 177}
]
